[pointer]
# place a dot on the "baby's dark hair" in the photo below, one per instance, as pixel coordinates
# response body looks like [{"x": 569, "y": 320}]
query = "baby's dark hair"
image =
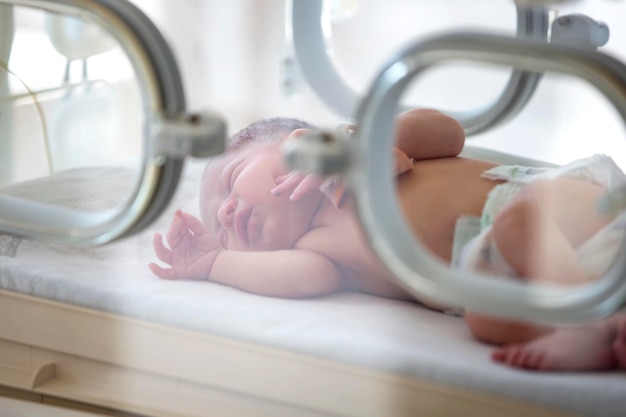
[
  {"x": 266, "y": 130},
  {"x": 263, "y": 131}
]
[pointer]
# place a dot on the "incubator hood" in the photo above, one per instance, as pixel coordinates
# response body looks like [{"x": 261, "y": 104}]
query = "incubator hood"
[
  {"x": 162, "y": 134},
  {"x": 126, "y": 109},
  {"x": 570, "y": 49}
]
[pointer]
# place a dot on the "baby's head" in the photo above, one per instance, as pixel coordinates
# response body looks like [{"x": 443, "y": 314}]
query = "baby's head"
[
  {"x": 236, "y": 204},
  {"x": 266, "y": 131}
]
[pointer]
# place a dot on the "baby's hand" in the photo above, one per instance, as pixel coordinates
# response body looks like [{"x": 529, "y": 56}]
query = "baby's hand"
[
  {"x": 192, "y": 249},
  {"x": 298, "y": 184}
]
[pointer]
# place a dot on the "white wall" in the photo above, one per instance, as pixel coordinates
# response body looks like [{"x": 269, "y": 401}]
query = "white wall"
[
  {"x": 230, "y": 51},
  {"x": 230, "y": 54}
]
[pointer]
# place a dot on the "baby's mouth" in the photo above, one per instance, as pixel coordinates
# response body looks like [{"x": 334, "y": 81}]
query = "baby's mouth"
[{"x": 242, "y": 220}]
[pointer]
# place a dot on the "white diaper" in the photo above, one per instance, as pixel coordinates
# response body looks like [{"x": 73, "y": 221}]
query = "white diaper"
[{"x": 480, "y": 252}]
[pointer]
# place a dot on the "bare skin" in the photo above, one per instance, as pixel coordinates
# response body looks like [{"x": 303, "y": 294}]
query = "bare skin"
[
  {"x": 542, "y": 220},
  {"x": 434, "y": 194},
  {"x": 296, "y": 252},
  {"x": 594, "y": 347},
  {"x": 281, "y": 240}
]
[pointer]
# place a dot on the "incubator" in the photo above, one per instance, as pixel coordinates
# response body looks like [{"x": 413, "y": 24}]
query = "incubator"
[
  {"x": 134, "y": 121},
  {"x": 545, "y": 43},
  {"x": 126, "y": 109}
]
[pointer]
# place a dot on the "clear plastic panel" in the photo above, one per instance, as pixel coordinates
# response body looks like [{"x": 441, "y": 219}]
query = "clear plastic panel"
[
  {"x": 71, "y": 114},
  {"x": 328, "y": 60},
  {"x": 554, "y": 214},
  {"x": 392, "y": 25},
  {"x": 526, "y": 203}
]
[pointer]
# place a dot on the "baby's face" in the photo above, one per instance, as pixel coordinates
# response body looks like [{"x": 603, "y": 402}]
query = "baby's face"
[{"x": 237, "y": 207}]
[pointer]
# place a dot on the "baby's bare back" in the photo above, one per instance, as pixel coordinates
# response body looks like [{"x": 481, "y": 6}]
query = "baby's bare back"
[{"x": 436, "y": 192}]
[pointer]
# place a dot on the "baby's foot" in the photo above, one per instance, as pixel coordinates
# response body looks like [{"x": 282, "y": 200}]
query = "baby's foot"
[
  {"x": 586, "y": 348},
  {"x": 619, "y": 345}
]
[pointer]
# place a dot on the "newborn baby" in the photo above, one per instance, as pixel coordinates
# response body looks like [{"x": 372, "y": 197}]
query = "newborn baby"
[{"x": 265, "y": 230}]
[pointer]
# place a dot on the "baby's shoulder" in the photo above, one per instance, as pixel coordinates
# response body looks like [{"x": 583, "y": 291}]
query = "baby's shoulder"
[
  {"x": 330, "y": 226},
  {"x": 316, "y": 239}
]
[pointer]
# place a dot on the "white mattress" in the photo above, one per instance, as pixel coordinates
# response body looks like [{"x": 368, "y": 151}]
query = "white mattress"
[{"x": 356, "y": 328}]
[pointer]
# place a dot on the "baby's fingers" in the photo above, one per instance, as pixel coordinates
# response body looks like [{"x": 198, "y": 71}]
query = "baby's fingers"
[
  {"x": 308, "y": 183},
  {"x": 163, "y": 273},
  {"x": 163, "y": 253},
  {"x": 287, "y": 183},
  {"x": 191, "y": 222},
  {"x": 177, "y": 231}
]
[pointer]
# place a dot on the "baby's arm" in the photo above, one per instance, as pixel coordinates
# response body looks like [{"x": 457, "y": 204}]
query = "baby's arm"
[
  {"x": 193, "y": 253},
  {"x": 421, "y": 134},
  {"x": 428, "y": 134},
  {"x": 292, "y": 273}
]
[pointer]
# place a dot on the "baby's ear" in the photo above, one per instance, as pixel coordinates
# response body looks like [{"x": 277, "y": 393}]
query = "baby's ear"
[{"x": 298, "y": 133}]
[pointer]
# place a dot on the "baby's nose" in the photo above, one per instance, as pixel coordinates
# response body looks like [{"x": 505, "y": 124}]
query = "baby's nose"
[{"x": 226, "y": 213}]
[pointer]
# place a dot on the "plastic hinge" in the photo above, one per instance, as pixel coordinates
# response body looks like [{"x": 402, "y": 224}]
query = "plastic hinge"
[
  {"x": 320, "y": 152},
  {"x": 580, "y": 31},
  {"x": 199, "y": 135}
]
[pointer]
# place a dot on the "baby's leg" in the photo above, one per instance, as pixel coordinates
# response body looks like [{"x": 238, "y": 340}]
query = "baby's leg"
[
  {"x": 503, "y": 332},
  {"x": 537, "y": 233},
  {"x": 593, "y": 347},
  {"x": 596, "y": 346},
  {"x": 619, "y": 344}
]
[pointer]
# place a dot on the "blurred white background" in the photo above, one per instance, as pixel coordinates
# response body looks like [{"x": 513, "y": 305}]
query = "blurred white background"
[{"x": 230, "y": 53}]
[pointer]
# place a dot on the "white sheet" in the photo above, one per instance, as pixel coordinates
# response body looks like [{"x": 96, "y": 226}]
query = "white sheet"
[{"x": 356, "y": 328}]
